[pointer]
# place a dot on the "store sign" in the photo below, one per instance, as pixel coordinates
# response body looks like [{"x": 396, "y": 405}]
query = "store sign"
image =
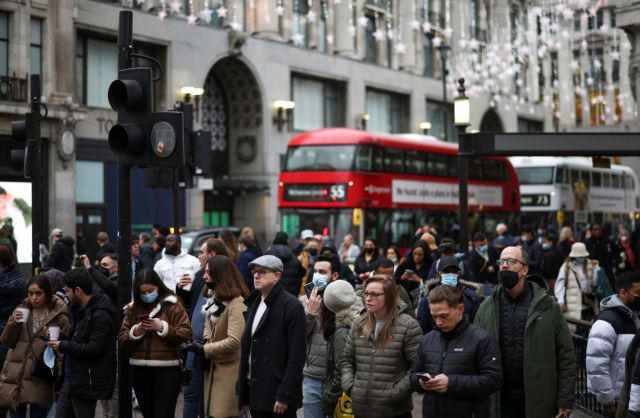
[
  {"x": 432, "y": 193},
  {"x": 315, "y": 192}
]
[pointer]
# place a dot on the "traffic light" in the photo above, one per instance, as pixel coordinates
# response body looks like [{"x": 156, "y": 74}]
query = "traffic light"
[
  {"x": 142, "y": 137},
  {"x": 26, "y": 133}
]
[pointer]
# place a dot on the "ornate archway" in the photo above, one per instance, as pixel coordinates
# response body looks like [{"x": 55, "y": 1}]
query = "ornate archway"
[{"x": 491, "y": 122}]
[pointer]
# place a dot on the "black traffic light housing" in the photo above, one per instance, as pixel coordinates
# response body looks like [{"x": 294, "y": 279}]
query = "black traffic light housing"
[
  {"x": 26, "y": 133},
  {"x": 142, "y": 137}
]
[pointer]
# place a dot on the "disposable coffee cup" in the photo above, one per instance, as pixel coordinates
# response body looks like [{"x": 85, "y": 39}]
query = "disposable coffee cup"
[
  {"x": 187, "y": 287},
  {"x": 25, "y": 314},
  {"x": 54, "y": 333}
]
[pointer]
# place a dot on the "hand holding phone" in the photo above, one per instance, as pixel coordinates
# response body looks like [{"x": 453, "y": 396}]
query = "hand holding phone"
[
  {"x": 424, "y": 376},
  {"x": 143, "y": 318}
]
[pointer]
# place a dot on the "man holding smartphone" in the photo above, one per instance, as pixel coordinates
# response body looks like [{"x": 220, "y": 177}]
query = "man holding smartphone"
[{"x": 458, "y": 365}]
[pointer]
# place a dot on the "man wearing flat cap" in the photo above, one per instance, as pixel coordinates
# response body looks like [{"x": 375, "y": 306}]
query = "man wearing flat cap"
[{"x": 273, "y": 345}]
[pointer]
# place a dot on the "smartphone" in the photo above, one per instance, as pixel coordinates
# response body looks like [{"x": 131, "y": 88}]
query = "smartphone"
[
  {"x": 77, "y": 263},
  {"x": 143, "y": 317},
  {"x": 423, "y": 376},
  {"x": 409, "y": 271}
]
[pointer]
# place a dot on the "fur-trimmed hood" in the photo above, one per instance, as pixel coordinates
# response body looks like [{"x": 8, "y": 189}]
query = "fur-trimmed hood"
[
  {"x": 346, "y": 317},
  {"x": 431, "y": 283}
]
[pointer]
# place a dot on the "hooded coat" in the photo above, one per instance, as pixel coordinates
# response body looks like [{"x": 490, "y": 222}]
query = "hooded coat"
[
  {"x": 17, "y": 386},
  {"x": 609, "y": 339},
  {"x": 13, "y": 289},
  {"x": 61, "y": 256},
  {"x": 572, "y": 282},
  {"x": 549, "y": 356},
  {"x": 222, "y": 348},
  {"x": 293, "y": 271}
]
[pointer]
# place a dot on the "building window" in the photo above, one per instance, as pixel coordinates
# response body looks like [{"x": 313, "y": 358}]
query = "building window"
[
  {"x": 319, "y": 103},
  {"x": 429, "y": 53},
  {"x": 370, "y": 43},
  {"x": 97, "y": 67},
  {"x": 300, "y": 12},
  {"x": 437, "y": 113},
  {"x": 90, "y": 182},
  {"x": 4, "y": 43},
  {"x": 530, "y": 125},
  {"x": 35, "y": 50},
  {"x": 323, "y": 44},
  {"x": 388, "y": 112}
]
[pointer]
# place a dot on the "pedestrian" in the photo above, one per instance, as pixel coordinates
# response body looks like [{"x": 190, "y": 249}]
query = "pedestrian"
[
  {"x": 393, "y": 253},
  {"x": 532, "y": 247},
  {"x": 61, "y": 255},
  {"x": 13, "y": 289},
  {"x": 326, "y": 270},
  {"x": 158, "y": 248},
  {"x": 629, "y": 402},
  {"x": 449, "y": 274},
  {"x": 194, "y": 296},
  {"x": 24, "y": 335},
  {"x": 609, "y": 339},
  {"x": 348, "y": 250},
  {"x": 337, "y": 313},
  {"x": 293, "y": 271},
  {"x": 136, "y": 260},
  {"x": 308, "y": 256},
  {"x": 628, "y": 256},
  {"x": 378, "y": 354},
  {"x": 575, "y": 287},
  {"x": 502, "y": 236},
  {"x": 224, "y": 313},
  {"x": 565, "y": 240},
  {"x": 231, "y": 243},
  {"x": 90, "y": 351},
  {"x": 552, "y": 259},
  {"x": 531, "y": 331},
  {"x": 414, "y": 271},
  {"x": 248, "y": 253},
  {"x": 175, "y": 263},
  {"x": 482, "y": 260},
  {"x": 146, "y": 250},
  {"x": 272, "y": 346},
  {"x": 155, "y": 324},
  {"x": 385, "y": 267},
  {"x": 104, "y": 246},
  {"x": 458, "y": 365},
  {"x": 366, "y": 260},
  {"x": 604, "y": 250},
  {"x": 345, "y": 272}
]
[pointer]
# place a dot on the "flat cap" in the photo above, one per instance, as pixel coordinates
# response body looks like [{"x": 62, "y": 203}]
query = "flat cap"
[{"x": 270, "y": 262}]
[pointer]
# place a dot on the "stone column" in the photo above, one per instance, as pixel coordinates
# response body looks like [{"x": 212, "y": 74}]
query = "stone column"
[
  {"x": 343, "y": 43},
  {"x": 63, "y": 48},
  {"x": 265, "y": 18},
  {"x": 407, "y": 36}
]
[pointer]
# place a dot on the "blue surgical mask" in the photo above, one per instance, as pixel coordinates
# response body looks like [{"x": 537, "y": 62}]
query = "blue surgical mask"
[
  {"x": 579, "y": 260},
  {"x": 320, "y": 281},
  {"x": 483, "y": 249},
  {"x": 150, "y": 298},
  {"x": 394, "y": 260},
  {"x": 546, "y": 246},
  {"x": 449, "y": 278}
]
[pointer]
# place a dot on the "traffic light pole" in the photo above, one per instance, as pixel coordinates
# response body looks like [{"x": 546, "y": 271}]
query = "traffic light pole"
[
  {"x": 34, "y": 154},
  {"x": 125, "y": 42}
]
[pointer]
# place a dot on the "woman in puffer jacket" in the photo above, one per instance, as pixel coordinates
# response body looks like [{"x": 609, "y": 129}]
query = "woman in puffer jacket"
[
  {"x": 378, "y": 355},
  {"x": 154, "y": 326},
  {"x": 26, "y": 340},
  {"x": 577, "y": 276}
]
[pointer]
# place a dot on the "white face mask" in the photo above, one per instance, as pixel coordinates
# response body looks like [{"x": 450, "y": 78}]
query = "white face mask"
[{"x": 320, "y": 281}]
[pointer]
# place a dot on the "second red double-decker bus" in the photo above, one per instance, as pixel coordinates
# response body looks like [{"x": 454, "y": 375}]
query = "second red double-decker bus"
[{"x": 338, "y": 181}]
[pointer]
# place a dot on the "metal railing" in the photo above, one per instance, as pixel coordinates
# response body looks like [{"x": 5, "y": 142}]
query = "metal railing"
[
  {"x": 13, "y": 89},
  {"x": 585, "y": 401}
]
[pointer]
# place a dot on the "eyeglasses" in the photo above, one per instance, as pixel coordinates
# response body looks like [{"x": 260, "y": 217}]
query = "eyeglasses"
[
  {"x": 260, "y": 273},
  {"x": 509, "y": 261},
  {"x": 373, "y": 295}
]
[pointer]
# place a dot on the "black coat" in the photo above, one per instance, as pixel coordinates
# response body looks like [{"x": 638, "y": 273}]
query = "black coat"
[
  {"x": 189, "y": 298},
  {"x": 61, "y": 256},
  {"x": 107, "y": 248},
  {"x": 278, "y": 351},
  {"x": 471, "y": 360},
  {"x": 552, "y": 260},
  {"x": 480, "y": 266},
  {"x": 293, "y": 271},
  {"x": 13, "y": 290},
  {"x": 91, "y": 351},
  {"x": 606, "y": 252},
  {"x": 472, "y": 302},
  {"x": 362, "y": 266}
]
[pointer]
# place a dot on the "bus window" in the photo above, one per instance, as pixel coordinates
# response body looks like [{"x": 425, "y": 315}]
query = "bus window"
[
  {"x": 320, "y": 158},
  {"x": 452, "y": 165},
  {"x": 575, "y": 177},
  {"x": 535, "y": 175},
  {"x": 414, "y": 162},
  {"x": 615, "y": 181},
  {"x": 475, "y": 169},
  {"x": 606, "y": 179},
  {"x": 586, "y": 177},
  {"x": 492, "y": 170},
  {"x": 393, "y": 160},
  {"x": 560, "y": 175},
  {"x": 376, "y": 161},
  {"x": 439, "y": 167},
  {"x": 596, "y": 179},
  {"x": 363, "y": 159}
]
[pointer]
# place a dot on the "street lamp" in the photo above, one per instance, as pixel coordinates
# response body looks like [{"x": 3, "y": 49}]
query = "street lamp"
[
  {"x": 461, "y": 115},
  {"x": 424, "y": 127},
  {"x": 444, "y": 50}
]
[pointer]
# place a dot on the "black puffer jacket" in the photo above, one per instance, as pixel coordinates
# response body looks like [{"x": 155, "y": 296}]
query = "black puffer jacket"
[
  {"x": 91, "y": 351},
  {"x": 293, "y": 271},
  {"x": 13, "y": 289},
  {"x": 470, "y": 358},
  {"x": 61, "y": 256}
]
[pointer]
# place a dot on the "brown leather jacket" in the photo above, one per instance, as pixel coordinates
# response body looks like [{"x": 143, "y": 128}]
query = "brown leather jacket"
[{"x": 156, "y": 349}]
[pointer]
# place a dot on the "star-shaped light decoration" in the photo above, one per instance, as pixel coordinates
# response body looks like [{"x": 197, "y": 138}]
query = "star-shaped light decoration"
[
  {"x": 574, "y": 65},
  {"x": 236, "y": 26},
  {"x": 162, "y": 14},
  {"x": 390, "y": 34},
  {"x": 426, "y": 27},
  {"x": 221, "y": 12},
  {"x": 175, "y": 6},
  {"x": 352, "y": 30},
  {"x": 473, "y": 44},
  {"x": 415, "y": 25},
  {"x": 378, "y": 35},
  {"x": 205, "y": 15},
  {"x": 279, "y": 10},
  {"x": 567, "y": 14},
  {"x": 298, "y": 39},
  {"x": 589, "y": 80},
  {"x": 462, "y": 42},
  {"x": 437, "y": 41},
  {"x": 447, "y": 32},
  {"x": 584, "y": 45},
  {"x": 191, "y": 19},
  {"x": 337, "y": 1},
  {"x": 604, "y": 29},
  {"x": 311, "y": 16},
  {"x": 400, "y": 48},
  {"x": 330, "y": 39},
  {"x": 362, "y": 21},
  {"x": 597, "y": 64},
  {"x": 615, "y": 55}
]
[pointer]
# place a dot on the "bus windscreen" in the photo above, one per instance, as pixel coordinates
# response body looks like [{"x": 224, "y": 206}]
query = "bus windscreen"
[
  {"x": 320, "y": 158},
  {"x": 535, "y": 175}
]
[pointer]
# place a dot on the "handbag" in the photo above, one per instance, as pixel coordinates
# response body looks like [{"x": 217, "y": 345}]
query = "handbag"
[
  {"x": 343, "y": 407},
  {"x": 186, "y": 374},
  {"x": 39, "y": 368}
]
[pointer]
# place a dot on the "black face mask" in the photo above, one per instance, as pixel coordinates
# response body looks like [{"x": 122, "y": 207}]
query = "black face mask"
[
  {"x": 210, "y": 285},
  {"x": 312, "y": 252},
  {"x": 369, "y": 250},
  {"x": 508, "y": 278},
  {"x": 171, "y": 250},
  {"x": 104, "y": 271}
]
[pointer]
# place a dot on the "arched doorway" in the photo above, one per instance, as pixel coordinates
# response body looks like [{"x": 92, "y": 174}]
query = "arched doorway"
[
  {"x": 491, "y": 122},
  {"x": 232, "y": 112}
]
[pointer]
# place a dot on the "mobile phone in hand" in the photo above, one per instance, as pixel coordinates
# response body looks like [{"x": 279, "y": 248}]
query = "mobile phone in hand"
[
  {"x": 143, "y": 318},
  {"x": 423, "y": 376},
  {"x": 409, "y": 271},
  {"x": 78, "y": 263}
]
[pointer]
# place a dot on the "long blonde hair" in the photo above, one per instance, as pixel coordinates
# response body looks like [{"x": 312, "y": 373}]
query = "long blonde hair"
[{"x": 368, "y": 323}]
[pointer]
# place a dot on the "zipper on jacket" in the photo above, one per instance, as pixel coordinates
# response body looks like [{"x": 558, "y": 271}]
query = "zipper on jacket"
[{"x": 90, "y": 380}]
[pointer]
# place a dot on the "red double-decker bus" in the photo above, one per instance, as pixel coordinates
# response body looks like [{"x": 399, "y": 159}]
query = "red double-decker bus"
[{"x": 338, "y": 181}]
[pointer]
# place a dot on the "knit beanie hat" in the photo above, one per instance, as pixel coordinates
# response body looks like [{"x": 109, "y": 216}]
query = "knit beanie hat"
[{"x": 339, "y": 295}]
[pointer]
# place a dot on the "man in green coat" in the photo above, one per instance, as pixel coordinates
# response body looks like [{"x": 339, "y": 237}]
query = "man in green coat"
[{"x": 538, "y": 360}]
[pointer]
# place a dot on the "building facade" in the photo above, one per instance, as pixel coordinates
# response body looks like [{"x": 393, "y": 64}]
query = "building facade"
[{"x": 365, "y": 64}]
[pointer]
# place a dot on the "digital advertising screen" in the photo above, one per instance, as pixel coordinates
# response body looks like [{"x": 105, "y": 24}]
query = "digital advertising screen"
[{"x": 16, "y": 210}]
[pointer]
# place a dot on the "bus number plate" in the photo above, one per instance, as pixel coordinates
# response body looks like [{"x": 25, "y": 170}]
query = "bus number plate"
[{"x": 535, "y": 200}]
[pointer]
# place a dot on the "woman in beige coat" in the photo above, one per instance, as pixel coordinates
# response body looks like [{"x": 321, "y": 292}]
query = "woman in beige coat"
[
  {"x": 26, "y": 340},
  {"x": 224, "y": 323}
]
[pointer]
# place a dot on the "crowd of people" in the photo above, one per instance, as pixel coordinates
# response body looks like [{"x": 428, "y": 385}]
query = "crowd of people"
[{"x": 243, "y": 330}]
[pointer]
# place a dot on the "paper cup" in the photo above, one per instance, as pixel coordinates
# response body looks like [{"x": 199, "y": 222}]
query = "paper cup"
[
  {"x": 187, "y": 288},
  {"x": 25, "y": 314},
  {"x": 54, "y": 333}
]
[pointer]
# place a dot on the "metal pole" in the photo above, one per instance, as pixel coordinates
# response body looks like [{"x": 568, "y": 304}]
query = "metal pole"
[
  {"x": 176, "y": 200},
  {"x": 443, "y": 56},
  {"x": 34, "y": 147},
  {"x": 463, "y": 197},
  {"x": 125, "y": 40}
]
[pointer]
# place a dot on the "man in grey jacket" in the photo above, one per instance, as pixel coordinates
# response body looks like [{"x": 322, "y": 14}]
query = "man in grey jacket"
[{"x": 609, "y": 339}]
